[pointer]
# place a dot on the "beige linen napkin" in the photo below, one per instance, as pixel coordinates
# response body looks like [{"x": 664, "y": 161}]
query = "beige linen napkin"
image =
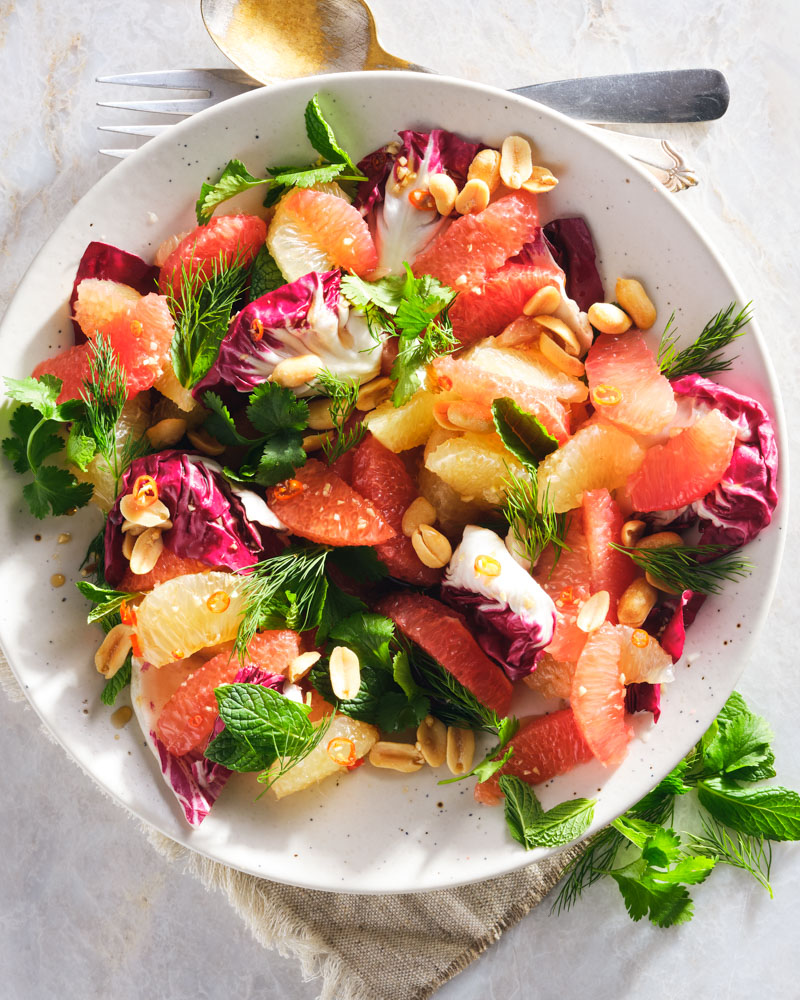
[{"x": 396, "y": 947}]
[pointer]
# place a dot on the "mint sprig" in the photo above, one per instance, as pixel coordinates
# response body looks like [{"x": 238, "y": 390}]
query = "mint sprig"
[{"x": 531, "y": 826}]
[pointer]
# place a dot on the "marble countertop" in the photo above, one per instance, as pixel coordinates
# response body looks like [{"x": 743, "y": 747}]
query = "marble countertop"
[{"x": 87, "y": 908}]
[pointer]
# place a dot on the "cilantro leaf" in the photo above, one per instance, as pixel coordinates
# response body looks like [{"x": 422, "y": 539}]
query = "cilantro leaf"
[
  {"x": 114, "y": 685},
  {"x": 220, "y": 422},
  {"x": 369, "y": 636},
  {"x": 414, "y": 353},
  {"x": 274, "y": 408},
  {"x": 338, "y": 605},
  {"x": 773, "y": 813},
  {"x": 360, "y": 563},
  {"x": 281, "y": 455},
  {"x": 321, "y": 136},
  {"x": 55, "y": 490},
  {"x": 522, "y": 433},
  {"x": 34, "y": 440},
  {"x": 40, "y": 393},
  {"x": 265, "y": 275},
  {"x": 386, "y": 293},
  {"x": 234, "y": 179}
]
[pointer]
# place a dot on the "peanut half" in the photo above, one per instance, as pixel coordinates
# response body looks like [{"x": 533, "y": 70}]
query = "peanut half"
[
  {"x": 432, "y": 741},
  {"x": 301, "y": 665},
  {"x": 516, "y": 161},
  {"x": 113, "y": 650},
  {"x": 594, "y": 611},
  {"x": 460, "y": 749},
  {"x": 431, "y": 546},
  {"x": 608, "y": 318},
  {"x": 631, "y": 532},
  {"x": 545, "y": 301},
  {"x": 403, "y": 757},
  {"x": 419, "y": 511},
  {"x": 486, "y": 167},
  {"x": 205, "y": 443},
  {"x": 345, "y": 671},
  {"x": 473, "y": 197},
  {"x": 636, "y": 602},
  {"x": 291, "y": 373},
  {"x": 540, "y": 181},
  {"x": 559, "y": 358},
  {"x": 636, "y": 302},
  {"x": 558, "y": 328},
  {"x": 166, "y": 432},
  {"x": 444, "y": 191},
  {"x": 146, "y": 551}
]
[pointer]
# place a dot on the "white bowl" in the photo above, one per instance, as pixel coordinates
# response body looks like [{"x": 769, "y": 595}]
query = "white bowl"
[{"x": 377, "y": 831}]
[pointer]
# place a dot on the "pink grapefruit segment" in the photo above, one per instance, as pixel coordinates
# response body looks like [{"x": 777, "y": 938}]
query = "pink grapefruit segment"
[
  {"x": 568, "y": 582},
  {"x": 687, "y": 467},
  {"x": 598, "y": 697},
  {"x": 610, "y": 570},
  {"x": 319, "y": 505},
  {"x": 626, "y": 384},
  {"x": 444, "y": 636},
  {"x": 224, "y": 240},
  {"x": 473, "y": 246},
  {"x": 545, "y": 746},
  {"x": 71, "y": 366}
]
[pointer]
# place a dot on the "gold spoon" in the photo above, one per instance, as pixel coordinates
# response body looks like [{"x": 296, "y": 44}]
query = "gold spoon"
[{"x": 277, "y": 40}]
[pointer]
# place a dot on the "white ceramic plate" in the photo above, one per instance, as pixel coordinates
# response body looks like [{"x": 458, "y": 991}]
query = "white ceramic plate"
[{"x": 377, "y": 831}]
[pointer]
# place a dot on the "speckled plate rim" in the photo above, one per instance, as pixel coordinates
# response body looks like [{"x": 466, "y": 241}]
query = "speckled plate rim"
[{"x": 394, "y": 873}]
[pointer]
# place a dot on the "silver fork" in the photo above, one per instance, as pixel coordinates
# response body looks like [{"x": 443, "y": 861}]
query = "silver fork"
[{"x": 216, "y": 85}]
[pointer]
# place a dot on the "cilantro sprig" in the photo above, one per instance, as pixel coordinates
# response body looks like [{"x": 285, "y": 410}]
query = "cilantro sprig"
[
  {"x": 279, "y": 417},
  {"x": 737, "y": 824},
  {"x": 36, "y": 426}
]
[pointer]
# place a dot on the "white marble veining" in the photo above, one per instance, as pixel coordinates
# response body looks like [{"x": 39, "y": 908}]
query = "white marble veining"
[{"x": 87, "y": 908}]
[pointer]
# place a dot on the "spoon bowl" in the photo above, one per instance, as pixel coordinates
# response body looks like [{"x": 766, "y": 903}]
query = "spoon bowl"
[{"x": 272, "y": 40}]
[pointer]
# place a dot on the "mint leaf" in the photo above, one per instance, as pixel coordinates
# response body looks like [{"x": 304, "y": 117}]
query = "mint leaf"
[
  {"x": 738, "y": 742},
  {"x": 114, "y": 685},
  {"x": 369, "y": 636},
  {"x": 81, "y": 447},
  {"x": 360, "y": 563},
  {"x": 533, "y": 827},
  {"x": 302, "y": 177},
  {"x": 235, "y": 754},
  {"x": 338, "y": 605},
  {"x": 263, "y": 719},
  {"x": 522, "y": 433},
  {"x": 265, "y": 275},
  {"x": 522, "y": 808},
  {"x": 106, "y": 599},
  {"x": 234, "y": 179},
  {"x": 321, "y": 136},
  {"x": 773, "y": 813}
]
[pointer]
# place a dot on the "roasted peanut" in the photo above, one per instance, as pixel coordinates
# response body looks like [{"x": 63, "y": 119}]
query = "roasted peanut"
[
  {"x": 464, "y": 415},
  {"x": 631, "y": 532},
  {"x": 128, "y": 541},
  {"x": 374, "y": 392},
  {"x": 516, "y": 161},
  {"x": 403, "y": 757},
  {"x": 558, "y": 328},
  {"x": 314, "y": 442},
  {"x": 291, "y": 373},
  {"x": 540, "y": 181},
  {"x": 444, "y": 191},
  {"x": 486, "y": 167},
  {"x": 558, "y": 357},
  {"x": 345, "y": 671},
  {"x": 143, "y": 517},
  {"x": 319, "y": 415},
  {"x": 204, "y": 442},
  {"x": 419, "y": 511},
  {"x": 431, "y": 546},
  {"x": 594, "y": 611},
  {"x": 432, "y": 740},
  {"x": 636, "y": 603},
  {"x": 543, "y": 302},
  {"x": 301, "y": 665},
  {"x": 608, "y": 318},
  {"x": 660, "y": 540},
  {"x": 146, "y": 551},
  {"x": 166, "y": 432},
  {"x": 636, "y": 302},
  {"x": 473, "y": 197},
  {"x": 113, "y": 650},
  {"x": 460, "y": 749}
]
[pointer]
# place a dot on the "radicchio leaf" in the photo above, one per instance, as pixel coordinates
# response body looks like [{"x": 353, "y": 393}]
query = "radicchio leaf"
[
  {"x": 643, "y": 697},
  {"x": 573, "y": 249},
  {"x": 670, "y": 618},
  {"x": 195, "y": 781}
]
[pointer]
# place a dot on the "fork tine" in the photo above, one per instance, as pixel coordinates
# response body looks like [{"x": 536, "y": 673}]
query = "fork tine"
[
  {"x": 171, "y": 79},
  {"x": 148, "y": 130},
  {"x": 180, "y": 106},
  {"x": 118, "y": 154}
]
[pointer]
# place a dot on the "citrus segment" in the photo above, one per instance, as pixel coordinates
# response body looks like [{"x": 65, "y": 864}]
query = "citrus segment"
[
  {"x": 174, "y": 620},
  {"x": 132, "y": 423},
  {"x": 545, "y": 746},
  {"x": 687, "y": 467},
  {"x": 186, "y": 721},
  {"x": 442, "y": 634},
  {"x": 528, "y": 365},
  {"x": 643, "y": 401},
  {"x": 476, "y": 466},
  {"x": 223, "y": 241},
  {"x": 598, "y": 697},
  {"x": 567, "y": 581},
  {"x": 169, "y": 566},
  {"x": 552, "y": 678},
  {"x": 597, "y": 456},
  {"x": 381, "y": 476},
  {"x": 319, "y": 763},
  {"x": 642, "y": 660},
  {"x": 475, "y": 245},
  {"x": 315, "y": 231},
  {"x": 611, "y": 570},
  {"x": 71, "y": 366},
  {"x": 452, "y": 513},
  {"x": 471, "y": 381},
  {"x": 319, "y": 505},
  {"x": 402, "y": 427}
]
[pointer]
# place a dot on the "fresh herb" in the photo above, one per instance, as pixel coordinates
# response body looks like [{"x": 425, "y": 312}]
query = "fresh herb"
[
  {"x": 116, "y": 684},
  {"x": 496, "y": 757},
  {"x": 35, "y": 436},
  {"x": 680, "y": 566},
  {"x": 320, "y": 135},
  {"x": 265, "y": 275},
  {"x": 737, "y": 824},
  {"x": 106, "y": 600},
  {"x": 531, "y": 826},
  {"x": 284, "y": 591},
  {"x": 531, "y": 517},
  {"x": 235, "y": 179},
  {"x": 522, "y": 433},
  {"x": 343, "y": 396},
  {"x": 450, "y": 701},
  {"x": 201, "y": 307},
  {"x": 264, "y": 731},
  {"x": 279, "y": 416},
  {"x": 706, "y": 355}
]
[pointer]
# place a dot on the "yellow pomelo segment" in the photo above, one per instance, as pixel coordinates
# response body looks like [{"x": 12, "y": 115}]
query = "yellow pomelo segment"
[
  {"x": 452, "y": 513},
  {"x": 475, "y": 466},
  {"x": 133, "y": 421},
  {"x": 594, "y": 457},
  {"x": 403, "y": 427},
  {"x": 648, "y": 663},
  {"x": 174, "y": 618},
  {"x": 169, "y": 387},
  {"x": 529, "y": 366},
  {"x": 319, "y": 764}
]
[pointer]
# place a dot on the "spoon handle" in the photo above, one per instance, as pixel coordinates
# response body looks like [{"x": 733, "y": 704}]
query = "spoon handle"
[{"x": 681, "y": 95}]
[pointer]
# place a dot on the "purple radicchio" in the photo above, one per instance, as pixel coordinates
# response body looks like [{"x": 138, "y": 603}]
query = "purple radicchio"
[
  {"x": 307, "y": 316},
  {"x": 512, "y": 618},
  {"x": 643, "y": 697},
  {"x": 102, "y": 260},
  {"x": 741, "y": 504},
  {"x": 209, "y": 522},
  {"x": 573, "y": 249},
  {"x": 400, "y": 228},
  {"x": 670, "y": 618},
  {"x": 538, "y": 253}
]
